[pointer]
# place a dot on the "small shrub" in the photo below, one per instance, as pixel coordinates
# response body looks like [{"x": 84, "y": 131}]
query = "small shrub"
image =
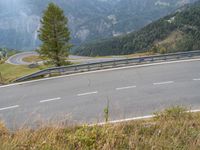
[{"x": 174, "y": 113}]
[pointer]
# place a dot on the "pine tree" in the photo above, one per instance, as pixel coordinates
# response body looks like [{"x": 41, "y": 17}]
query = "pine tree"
[{"x": 54, "y": 35}]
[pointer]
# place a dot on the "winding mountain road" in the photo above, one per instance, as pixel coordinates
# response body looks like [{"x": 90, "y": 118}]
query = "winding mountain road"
[
  {"x": 81, "y": 98},
  {"x": 18, "y": 58}
]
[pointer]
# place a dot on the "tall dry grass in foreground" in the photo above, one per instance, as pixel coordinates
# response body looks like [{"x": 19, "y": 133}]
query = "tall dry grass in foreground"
[{"x": 171, "y": 129}]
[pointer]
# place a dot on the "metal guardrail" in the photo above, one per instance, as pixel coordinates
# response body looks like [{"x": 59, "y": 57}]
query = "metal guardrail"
[{"x": 109, "y": 64}]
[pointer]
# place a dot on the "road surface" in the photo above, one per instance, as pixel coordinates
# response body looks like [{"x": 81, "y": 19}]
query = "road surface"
[
  {"x": 81, "y": 98},
  {"x": 18, "y": 58}
]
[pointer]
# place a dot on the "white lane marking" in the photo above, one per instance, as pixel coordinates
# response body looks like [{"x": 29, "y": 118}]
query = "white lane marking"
[
  {"x": 196, "y": 79},
  {"x": 162, "y": 83},
  {"x": 89, "y": 93},
  {"x": 49, "y": 100},
  {"x": 125, "y": 88},
  {"x": 10, "y": 107},
  {"x": 135, "y": 118},
  {"x": 97, "y": 71}
]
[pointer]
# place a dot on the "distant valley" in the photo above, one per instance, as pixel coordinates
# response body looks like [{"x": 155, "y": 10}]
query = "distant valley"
[{"x": 88, "y": 19}]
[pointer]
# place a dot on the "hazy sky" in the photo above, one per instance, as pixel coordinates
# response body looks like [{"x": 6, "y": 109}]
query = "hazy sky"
[{"x": 12, "y": 5}]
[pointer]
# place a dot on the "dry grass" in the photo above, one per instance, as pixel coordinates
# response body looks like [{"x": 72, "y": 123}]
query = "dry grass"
[
  {"x": 32, "y": 59},
  {"x": 136, "y": 55},
  {"x": 11, "y": 72},
  {"x": 171, "y": 129}
]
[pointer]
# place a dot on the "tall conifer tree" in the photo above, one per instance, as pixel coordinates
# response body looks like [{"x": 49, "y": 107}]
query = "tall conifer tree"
[{"x": 54, "y": 35}]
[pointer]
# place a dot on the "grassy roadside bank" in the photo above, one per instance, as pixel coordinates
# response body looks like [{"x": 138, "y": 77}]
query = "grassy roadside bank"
[
  {"x": 170, "y": 129},
  {"x": 32, "y": 59},
  {"x": 10, "y": 72}
]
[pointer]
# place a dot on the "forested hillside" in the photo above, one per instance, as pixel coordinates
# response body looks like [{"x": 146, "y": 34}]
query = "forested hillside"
[
  {"x": 88, "y": 19},
  {"x": 177, "y": 32}
]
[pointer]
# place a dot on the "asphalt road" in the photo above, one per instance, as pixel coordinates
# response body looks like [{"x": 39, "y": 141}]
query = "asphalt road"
[
  {"x": 81, "y": 98},
  {"x": 18, "y": 58}
]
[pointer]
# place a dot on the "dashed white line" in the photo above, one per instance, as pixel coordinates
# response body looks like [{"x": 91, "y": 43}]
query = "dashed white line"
[
  {"x": 125, "y": 88},
  {"x": 162, "y": 83},
  {"x": 89, "y": 93},
  {"x": 196, "y": 79},
  {"x": 49, "y": 100},
  {"x": 10, "y": 107}
]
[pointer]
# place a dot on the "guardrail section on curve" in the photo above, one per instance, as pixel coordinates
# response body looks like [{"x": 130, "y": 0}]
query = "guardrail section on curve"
[{"x": 109, "y": 64}]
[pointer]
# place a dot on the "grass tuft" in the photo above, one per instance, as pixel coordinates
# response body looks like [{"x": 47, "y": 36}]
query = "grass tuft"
[{"x": 173, "y": 113}]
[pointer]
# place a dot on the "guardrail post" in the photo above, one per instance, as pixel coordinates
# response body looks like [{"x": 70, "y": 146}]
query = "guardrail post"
[
  {"x": 61, "y": 71},
  {"x": 1, "y": 78},
  {"x": 190, "y": 55},
  {"x": 141, "y": 60},
  {"x": 88, "y": 67},
  {"x": 49, "y": 72},
  {"x": 114, "y": 64}
]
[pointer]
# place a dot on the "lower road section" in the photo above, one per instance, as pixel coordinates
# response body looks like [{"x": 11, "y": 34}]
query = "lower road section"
[
  {"x": 131, "y": 92},
  {"x": 18, "y": 59}
]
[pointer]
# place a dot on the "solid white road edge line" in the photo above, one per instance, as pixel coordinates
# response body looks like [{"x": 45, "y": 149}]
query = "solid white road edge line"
[
  {"x": 123, "y": 120},
  {"x": 11, "y": 107},
  {"x": 89, "y": 93},
  {"x": 48, "y": 100},
  {"x": 124, "y": 88},
  {"x": 105, "y": 70},
  {"x": 161, "y": 83},
  {"x": 193, "y": 111},
  {"x": 135, "y": 118}
]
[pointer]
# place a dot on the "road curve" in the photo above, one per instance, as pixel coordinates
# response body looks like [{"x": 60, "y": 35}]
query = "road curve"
[
  {"x": 81, "y": 98},
  {"x": 18, "y": 58}
]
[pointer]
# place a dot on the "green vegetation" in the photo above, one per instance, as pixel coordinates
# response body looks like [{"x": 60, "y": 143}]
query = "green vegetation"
[
  {"x": 5, "y": 53},
  {"x": 170, "y": 129},
  {"x": 89, "y": 19},
  {"x": 106, "y": 112},
  {"x": 8, "y": 72},
  {"x": 33, "y": 58},
  {"x": 54, "y": 35},
  {"x": 177, "y": 32}
]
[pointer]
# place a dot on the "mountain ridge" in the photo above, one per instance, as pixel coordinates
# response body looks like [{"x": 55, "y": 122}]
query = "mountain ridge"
[
  {"x": 176, "y": 32},
  {"x": 88, "y": 19}
]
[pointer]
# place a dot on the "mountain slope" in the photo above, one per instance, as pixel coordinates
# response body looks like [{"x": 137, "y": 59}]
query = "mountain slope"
[
  {"x": 177, "y": 32},
  {"x": 88, "y": 19}
]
